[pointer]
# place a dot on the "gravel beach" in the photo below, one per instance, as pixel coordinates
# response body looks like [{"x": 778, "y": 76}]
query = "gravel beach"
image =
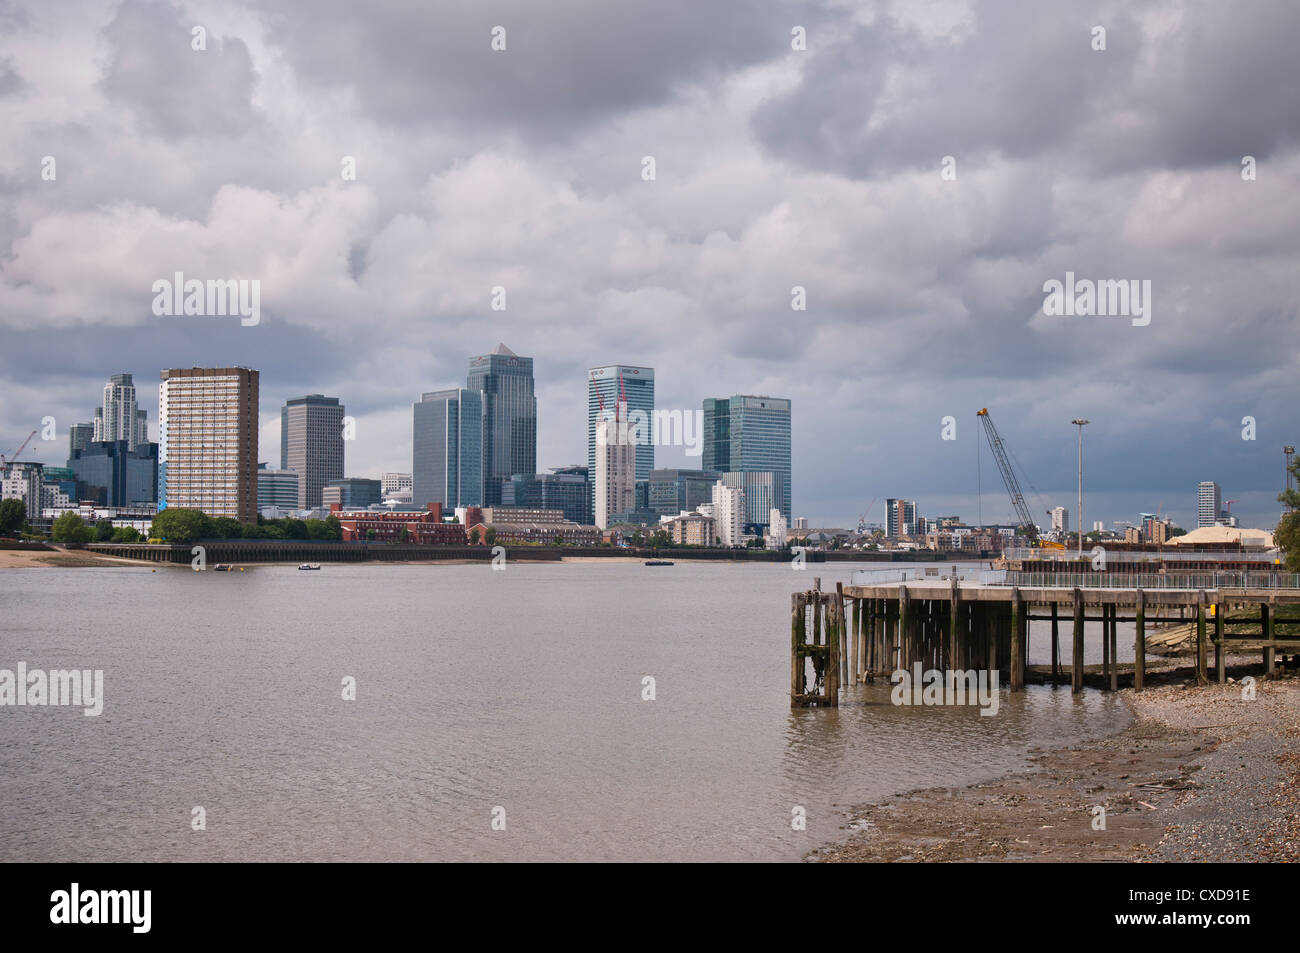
[{"x": 1202, "y": 774}]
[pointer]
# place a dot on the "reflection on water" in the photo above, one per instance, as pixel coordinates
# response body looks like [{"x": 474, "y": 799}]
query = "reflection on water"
[{"x": 475, "y": 689}]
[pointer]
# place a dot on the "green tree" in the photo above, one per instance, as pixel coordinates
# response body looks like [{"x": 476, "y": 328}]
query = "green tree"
[
  {"x": 1287, "y": 533},
  {"x": 126, "y": 534},
  {"x": 178, "y": 524},
  {"x": 103, "y": 531},
  {"x": 333, "y": 528},
  {"x": 404, "y": 536},
  {"x": 71, "y": 528},
  {"x": 223, "y": 527},
  {"x": 473, "y": 536},
  {"x": 490, "y": 537},
  {"x": 370, "y": 534},
  {"x": 12, "y": 515}
]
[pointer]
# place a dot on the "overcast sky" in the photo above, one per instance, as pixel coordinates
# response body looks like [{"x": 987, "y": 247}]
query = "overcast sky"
[{"x": 774, "y": 167}]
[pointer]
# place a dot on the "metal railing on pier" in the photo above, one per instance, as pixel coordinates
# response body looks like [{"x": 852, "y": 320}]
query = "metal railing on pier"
[
  {"x": 877, "y": 577},
  {"x": 1266, "y": 557},
  {"x": 1151, "y": 580}
]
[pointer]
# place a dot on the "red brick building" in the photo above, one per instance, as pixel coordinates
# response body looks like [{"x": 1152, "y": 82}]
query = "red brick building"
[{"x": 422, "y": 528}]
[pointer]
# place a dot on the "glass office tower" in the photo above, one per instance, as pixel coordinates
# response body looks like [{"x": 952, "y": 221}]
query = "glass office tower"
[
  {"x": 749, "y": 434},
  {"x": 447, "y": 448},
  {"x": 509, "y": 417},
  {"x": 637, "y": 387}
]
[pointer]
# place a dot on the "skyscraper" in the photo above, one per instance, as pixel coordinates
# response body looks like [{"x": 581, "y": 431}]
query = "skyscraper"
[
  {"x": 728, "y": 513},
  {"x": 80, "y": 437},
  {"x": 447, "y": 448},
  {"x": 635, "y": 386},
  {"x": 900, "y": 517},
  {"x": 311, "y": 444},
  {"x": 616, "y": 461},
  {"x": 1060, "y": 519},
  {"x": 207, "y": 426},
  {"x": 747, "y": 433},
  {"x": 119, "y": 418},
  {"x": 1209, "y": 501},
  {"x": 509, "y": 417}
]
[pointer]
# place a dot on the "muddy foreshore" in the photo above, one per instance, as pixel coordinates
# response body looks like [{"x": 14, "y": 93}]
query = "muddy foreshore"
[{"x": 1201, "y": 774}]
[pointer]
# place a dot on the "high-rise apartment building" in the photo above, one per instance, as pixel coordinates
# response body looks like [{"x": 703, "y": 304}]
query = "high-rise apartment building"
[
  {"x": 311, "y": 444},
  {"x": 447, "y": 448},
  {"x": 777, "y": 531},
  {"x": 509, "y": 417},
  {"x": 900, "y": 517},
  {"x": 1060, "y": 519},
  {"x": 749, "y": 433},
  {"x": 119, "y": 418},
  {"x": 634, "y": 386},
  {"x": 1209, "y": 501},
  {"x": 207, "y": 426},
  {"x": 728, "y": 514},
  {"x": 616, "y": 462},
  {"x": 23, "y": 481}
]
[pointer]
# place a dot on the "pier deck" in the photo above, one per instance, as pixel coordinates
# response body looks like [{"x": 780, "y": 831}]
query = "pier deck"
[{"x": 861, "y": 632}]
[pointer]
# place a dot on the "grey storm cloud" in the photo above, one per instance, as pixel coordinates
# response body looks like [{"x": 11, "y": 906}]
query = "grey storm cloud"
[
  {"x": 565, "y": 65},
  {"x": 175, "y": 89},
  {"x": 776, "y": 168},
  {"x": 1025, "y": 82}
]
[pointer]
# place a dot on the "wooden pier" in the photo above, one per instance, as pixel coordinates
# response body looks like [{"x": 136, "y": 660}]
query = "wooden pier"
[{"x": 859, "y": 633}]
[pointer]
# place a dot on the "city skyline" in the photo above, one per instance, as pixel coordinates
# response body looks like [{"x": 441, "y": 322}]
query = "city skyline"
[
  {"x": 991, "y": 508},
  {"x": 382, "y": 221}
]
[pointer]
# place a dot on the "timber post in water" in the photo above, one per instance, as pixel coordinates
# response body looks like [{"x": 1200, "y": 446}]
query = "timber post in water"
[{"x": 942, "y": 624}]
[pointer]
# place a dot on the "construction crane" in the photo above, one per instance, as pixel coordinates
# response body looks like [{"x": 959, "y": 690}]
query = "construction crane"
[
  {"x": 862, "y": 520},
  {"x": 1008, "y": 475},
  {"x": 13, "y": 457}
]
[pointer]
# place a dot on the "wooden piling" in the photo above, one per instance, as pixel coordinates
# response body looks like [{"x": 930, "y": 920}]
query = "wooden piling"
[
  {"x": 797, "y": 612},
  {"x": 1076, "y": 672},
  {"x": 1017, "y": 650},
  {"x": 856, "y": 675},
  {"x": 1105, "y": 642},
  {"x": 1220, "y": 655},
  {"x": 842, "y": 635},
  {"x": 1113, "y": 635},
  {"x": 1140, "y": 643},
  {"x": 954, "y": 618},
  {"x": 1201, "y": 677},
  {"x": 1270, "y": 652},
  {"x": 1056, "y": 646}
]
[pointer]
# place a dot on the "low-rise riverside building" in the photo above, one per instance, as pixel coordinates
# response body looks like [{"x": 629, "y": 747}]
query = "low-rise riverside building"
[
  {"x": 426, "y": 528},
  {"x": 545, "y": 533}
]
